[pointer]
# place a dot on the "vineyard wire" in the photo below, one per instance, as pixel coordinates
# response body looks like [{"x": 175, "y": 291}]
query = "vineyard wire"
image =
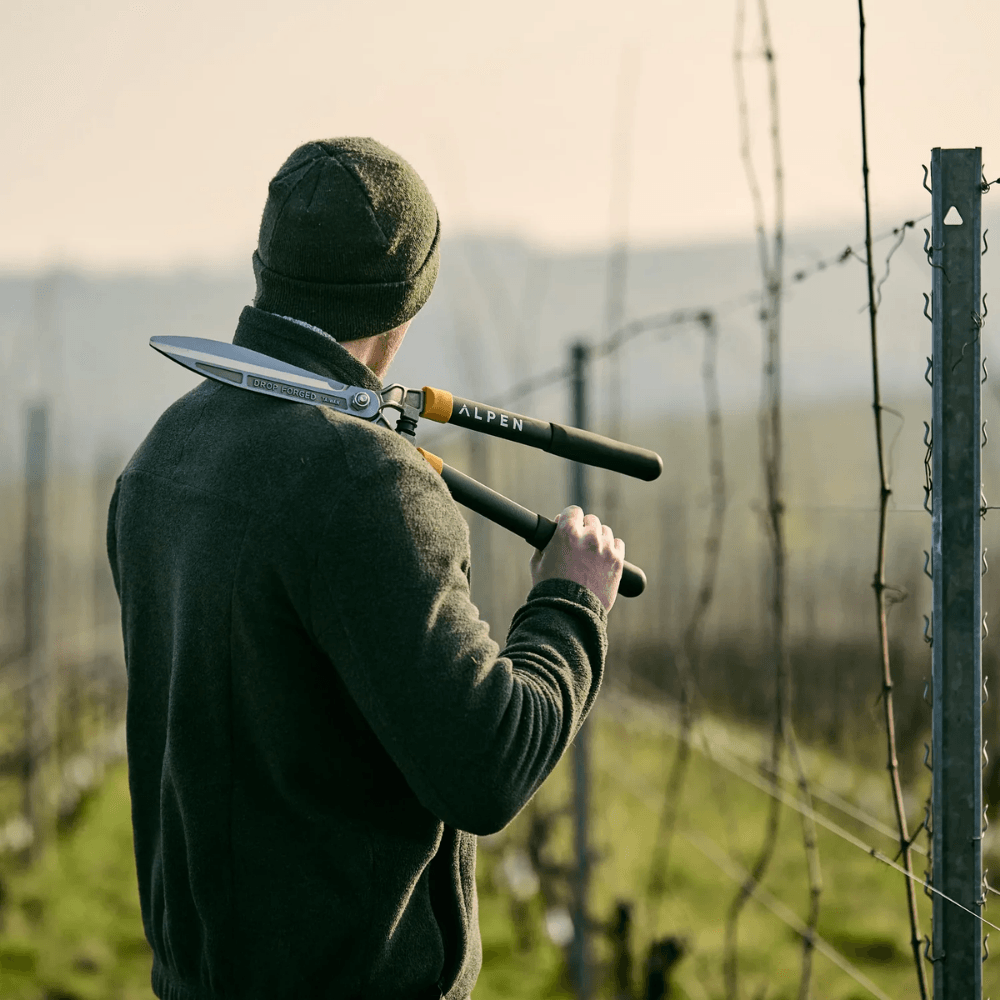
[
  {"x": 738, "y": 874},
  {"x": 549, "y": 377},
  {"x": 858, "y": 843},
  {"x": 739, "y": 768}
]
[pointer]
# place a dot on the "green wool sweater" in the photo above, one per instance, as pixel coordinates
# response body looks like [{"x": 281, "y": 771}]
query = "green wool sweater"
[{"x": 319, "y": 723}]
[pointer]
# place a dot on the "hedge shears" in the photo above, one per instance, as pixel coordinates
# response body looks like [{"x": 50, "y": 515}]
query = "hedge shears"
[{"x": 250, "y": 370}]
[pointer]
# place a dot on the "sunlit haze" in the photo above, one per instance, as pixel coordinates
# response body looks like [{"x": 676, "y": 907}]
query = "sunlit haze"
[{"x": 144, "y": 135}]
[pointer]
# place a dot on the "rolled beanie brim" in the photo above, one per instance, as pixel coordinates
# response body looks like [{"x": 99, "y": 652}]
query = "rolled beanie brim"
[{"x": 347, "y": 312}]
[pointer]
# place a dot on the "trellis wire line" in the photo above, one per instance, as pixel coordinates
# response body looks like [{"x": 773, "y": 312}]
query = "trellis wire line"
[
  {"x": 879, "y": 856},
  {"x": 804, "y": 274},
  {"x": 857, "y": 842},
  {"x": 739, "y": 767},
  {"x": 534, "y": 383},
  {"x": 879, "y": 583},
  {"x": 639, "y": 325},
  {"x": 853, "y": 509},
  {"x": 663, "y": 322},
  {"x": 735, "y": 302},
  {"x": 746, "y": 774},
  {"x": 621, "y": 336},
  {"x": 689, "y": 652},
  {"x": 632, "y": 328},
  {"x": 648, "y": 702},
  {"x": 738, "y": 874}
]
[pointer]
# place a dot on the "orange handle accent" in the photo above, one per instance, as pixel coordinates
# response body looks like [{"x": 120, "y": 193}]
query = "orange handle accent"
[
  {"x": 437, "y": 405},
  {"x": 432, "y": 460}
]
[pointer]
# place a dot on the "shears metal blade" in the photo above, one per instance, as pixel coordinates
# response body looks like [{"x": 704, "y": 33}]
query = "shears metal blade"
[{"x": 239, "y": 366}]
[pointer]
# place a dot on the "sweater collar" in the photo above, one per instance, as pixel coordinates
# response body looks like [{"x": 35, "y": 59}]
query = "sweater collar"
[{"x": 306, "y": 347}]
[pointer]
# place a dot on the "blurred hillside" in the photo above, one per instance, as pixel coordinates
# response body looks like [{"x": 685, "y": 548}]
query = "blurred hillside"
[{"x": 502, "y": 310}]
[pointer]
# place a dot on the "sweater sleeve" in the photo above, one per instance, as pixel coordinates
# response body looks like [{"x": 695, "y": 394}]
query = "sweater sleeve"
[
  {"x": 474, "y": 729},
  {"x": 112, "y": 535}
]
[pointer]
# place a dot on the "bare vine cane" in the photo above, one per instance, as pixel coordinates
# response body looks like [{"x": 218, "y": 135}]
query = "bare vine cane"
[
  {"x": 878, "y": 583},
  {"x": 689, "y": 652},
  {"x": 771, "y": 252}
]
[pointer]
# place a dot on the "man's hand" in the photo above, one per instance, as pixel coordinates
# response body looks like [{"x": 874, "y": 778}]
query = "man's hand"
[{"x": 582, "y": 550}]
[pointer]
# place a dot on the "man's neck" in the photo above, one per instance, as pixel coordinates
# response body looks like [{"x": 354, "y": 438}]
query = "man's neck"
[
  {"x": 374, "y": 352},
  {"x": 302, "y": 322}
]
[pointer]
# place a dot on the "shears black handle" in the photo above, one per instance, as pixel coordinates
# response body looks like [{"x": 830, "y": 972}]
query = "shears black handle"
[
  {"x": 532, "y": 527},
  {"x": 567, "y": 442}
]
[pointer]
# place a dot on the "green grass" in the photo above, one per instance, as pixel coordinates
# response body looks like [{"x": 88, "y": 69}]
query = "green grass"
[
  {"x": 863, "y": 904},
  {"x": 70, "y": 926}
]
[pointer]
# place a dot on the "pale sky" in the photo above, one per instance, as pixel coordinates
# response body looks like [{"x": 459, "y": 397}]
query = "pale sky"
[{"x": 143, "y": 135}]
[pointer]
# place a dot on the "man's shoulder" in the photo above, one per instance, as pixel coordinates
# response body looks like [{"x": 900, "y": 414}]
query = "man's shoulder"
[
  {"x": 164, "y": 443},
  {"x": 367, "y": 447},
  {"x": 225, "y": 440}
]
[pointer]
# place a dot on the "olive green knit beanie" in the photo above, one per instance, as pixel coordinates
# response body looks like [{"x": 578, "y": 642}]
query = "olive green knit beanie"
[{"x": 348, "y": 239}]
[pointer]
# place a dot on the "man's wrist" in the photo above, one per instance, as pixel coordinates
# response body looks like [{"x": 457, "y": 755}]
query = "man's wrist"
[{"x": 567, "y": 589}]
